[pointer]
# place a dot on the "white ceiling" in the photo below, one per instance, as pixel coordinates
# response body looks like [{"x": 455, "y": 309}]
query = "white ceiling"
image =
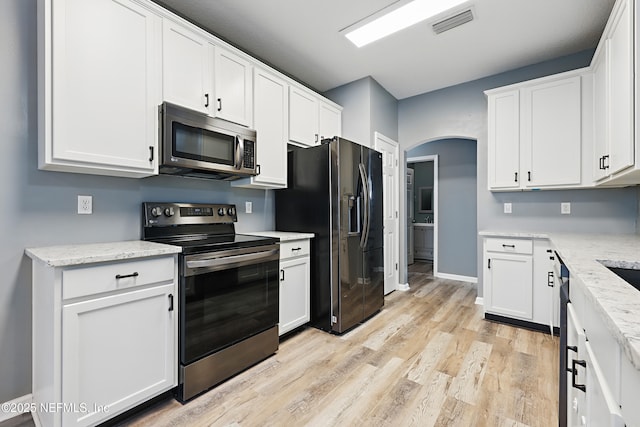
[{"x": 302, "y": 39}]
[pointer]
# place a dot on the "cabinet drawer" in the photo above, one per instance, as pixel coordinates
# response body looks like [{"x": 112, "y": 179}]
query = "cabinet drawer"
[
  {"x": 516, "y": 246},
  {"x": 294, "y": 248},
  {"x": 83, "y": 281}
]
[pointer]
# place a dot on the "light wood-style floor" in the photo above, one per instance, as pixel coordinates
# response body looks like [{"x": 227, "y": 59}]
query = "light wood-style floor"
[{"x": 427, "y": 359}]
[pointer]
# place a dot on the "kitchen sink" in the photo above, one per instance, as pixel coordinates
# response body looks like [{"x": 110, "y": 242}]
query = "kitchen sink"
[{"x": 629, "y": 275}]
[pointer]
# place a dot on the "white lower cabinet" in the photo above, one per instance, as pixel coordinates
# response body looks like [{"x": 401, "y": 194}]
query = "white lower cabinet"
[
  {"x": 104, "y": 338},
  {"x": 508, "y": 289},
  {"x": 520, "y": 282},
  {"x": 594, "y": 392},
  {"x": 295, "y": 285},
  {"x": 423, "y": 242}
]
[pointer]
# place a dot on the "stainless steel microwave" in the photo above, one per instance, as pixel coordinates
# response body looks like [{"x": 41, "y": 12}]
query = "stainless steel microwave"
[{"x": 194, "y": 144}]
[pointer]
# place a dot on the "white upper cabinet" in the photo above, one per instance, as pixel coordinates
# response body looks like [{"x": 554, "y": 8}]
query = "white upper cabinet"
[
  {"x": 504, "y": 140},
  {"x": 187, "y": 67},
  {"x": 613, "y": 68},
  {"x": 311, "y": 118},
  {"x": 233, "y": 87},
  {"x": 99, "y": 87},
  {"x": 536, "y": 134},
  {"x": 303, "y": 117},
  {"x": 551, "y": 133},
  {"x": 620, "y": 80},
  {"x": 329, "y": 121},
  {"x": 270, "y": 108},
  {"x": 600, "y": 111}
]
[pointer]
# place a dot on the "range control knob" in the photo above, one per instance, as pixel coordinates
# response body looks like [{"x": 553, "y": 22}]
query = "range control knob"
[
  {"x": 168, "y": 212},
  {"x": 221, "y": 212},
  {"x": 231, "y": 211},
  {"x": 156, "y": 211}
]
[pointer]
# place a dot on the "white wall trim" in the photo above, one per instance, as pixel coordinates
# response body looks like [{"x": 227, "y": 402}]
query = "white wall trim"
[
  {"x": 23, "y": 401},
  {"x": 403, "y": 287},
  {"x": 432, "y": 158},
  {"x": 479, "y": 301},
  {"x": 456, "y": 277}
]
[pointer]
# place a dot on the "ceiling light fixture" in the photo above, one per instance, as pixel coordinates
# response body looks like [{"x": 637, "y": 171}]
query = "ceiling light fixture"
[{"x": 387, "y": 22}]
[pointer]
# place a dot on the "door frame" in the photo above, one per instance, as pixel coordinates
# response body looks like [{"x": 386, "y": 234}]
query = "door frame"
[
  {"x": 431, "y": 158},
  {"x": 396, "y": 177}
]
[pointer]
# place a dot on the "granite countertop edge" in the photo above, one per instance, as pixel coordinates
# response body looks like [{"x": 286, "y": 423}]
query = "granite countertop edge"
[
  {"x": 88, "y": 253},
  {"x": 617, "y": 302}
]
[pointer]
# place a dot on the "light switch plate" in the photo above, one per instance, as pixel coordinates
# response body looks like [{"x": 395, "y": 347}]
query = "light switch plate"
[
  {"x": 565, "y": 208},
  {"x": 85, "y": 205},
  {"x": 507, "y": 208},
  {"x": 248, "y": 207}
]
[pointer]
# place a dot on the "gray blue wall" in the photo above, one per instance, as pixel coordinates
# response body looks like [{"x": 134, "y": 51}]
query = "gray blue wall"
[
  {"x": 367, "y": 108},
  {"x": 461, "y": 111},
  {"x": 456, "y": 221},
  {"x": 38, "y": 208}
]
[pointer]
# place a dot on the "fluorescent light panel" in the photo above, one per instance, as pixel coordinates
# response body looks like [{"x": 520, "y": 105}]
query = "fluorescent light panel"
[{"x": 399, "y": 19}]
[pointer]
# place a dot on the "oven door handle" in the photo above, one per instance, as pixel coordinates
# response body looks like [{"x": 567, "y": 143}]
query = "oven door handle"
[{"x": 232, "y": 259}]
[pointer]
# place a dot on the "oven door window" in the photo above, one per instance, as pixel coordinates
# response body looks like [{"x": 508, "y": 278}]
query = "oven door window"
[
  {"x": 224, "y": 307},
  {"x": 202, "y": 144}
]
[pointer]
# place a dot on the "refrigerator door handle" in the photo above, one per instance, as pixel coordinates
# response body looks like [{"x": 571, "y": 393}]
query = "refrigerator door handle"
[{"x": 367, "y": 207}]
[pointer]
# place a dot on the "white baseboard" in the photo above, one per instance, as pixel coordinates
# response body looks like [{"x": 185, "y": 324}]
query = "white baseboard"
[
  {"x": 403, "y": 287},
  {"x": 457, "y": 277},
  {"x": 18, "y": 402},
  {"x": 479, "y": 301}
]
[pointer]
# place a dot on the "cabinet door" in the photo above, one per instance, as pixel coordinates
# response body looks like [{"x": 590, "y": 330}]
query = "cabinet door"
[
  {"x": 186, "y": 67},
  {"x": 233, "y": 87},
  {"x": 576, "y": 398},
  {"x": 105, "y": 73},
  {"x": 504, "y": 140},
  {"x": 600, "y": 112},
  {"x": 546, "y": 296},
  {"x": 620, "y": 78},
  {"x": 603, "y": 410},
  {"x": 551, "y": 133},
  {"x": 303, "y": 117},
  {"x": 270, "y": 121},
  {"x": 117, "y": 352},
  {"x": 294, "y": 294},
  {"x": 330, "y": 121},
  {"x": 509, "y": 285}
]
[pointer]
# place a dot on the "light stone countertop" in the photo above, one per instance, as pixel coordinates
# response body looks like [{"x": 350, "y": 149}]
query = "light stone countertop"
[
  {"x": 617, "y": 302},
  {"x": 67, "y": 255},
  {"x": 284, "y": 236}
]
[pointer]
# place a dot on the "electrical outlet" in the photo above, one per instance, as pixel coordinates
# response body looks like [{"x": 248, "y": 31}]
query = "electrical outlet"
[
  {"x": 85, "y": 205},
  {"x": 565, "y": 208},
  {"x": 248, "y": 207},
  {"x": 507, "y": 208}
]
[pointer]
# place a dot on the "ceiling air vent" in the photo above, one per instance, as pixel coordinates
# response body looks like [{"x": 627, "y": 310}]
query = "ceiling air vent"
[{"x": 453, "y": 21}]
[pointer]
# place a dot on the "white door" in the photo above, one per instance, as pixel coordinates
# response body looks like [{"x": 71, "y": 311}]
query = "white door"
[
  {"x": 390, "y": 179},
  {"x": 504, "y": 140},
  {"x": 329, "y": 121},
  {"x": 303, "y": 117},
  {"x": 233, "y": 87}
]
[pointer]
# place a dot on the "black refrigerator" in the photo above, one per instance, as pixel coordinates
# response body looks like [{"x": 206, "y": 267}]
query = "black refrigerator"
[{"x": 335, "y": 191}]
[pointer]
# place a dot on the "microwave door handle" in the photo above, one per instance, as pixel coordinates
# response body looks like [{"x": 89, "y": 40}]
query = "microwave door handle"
[{"x": 239, "y": 152}]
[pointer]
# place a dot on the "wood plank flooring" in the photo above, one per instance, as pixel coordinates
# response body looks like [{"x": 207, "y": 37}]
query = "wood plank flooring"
[{"x": 427, "y": 359}]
